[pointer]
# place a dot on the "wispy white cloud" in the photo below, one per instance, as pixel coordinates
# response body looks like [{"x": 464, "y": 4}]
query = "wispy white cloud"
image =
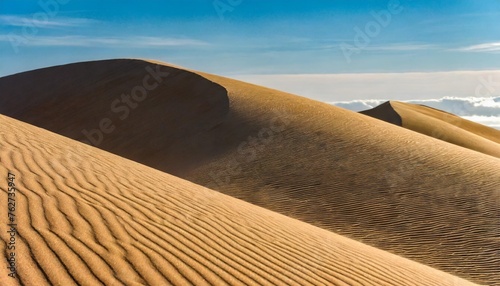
[
  {"x": 112, "y": 42},
  {"x": 397, "y": 47},
  {"x": 402, "y": 47},
  {"x": 162, "y": 42},
  {"x": 482, "y": 48},
  {"x": 47, "y": 22}
]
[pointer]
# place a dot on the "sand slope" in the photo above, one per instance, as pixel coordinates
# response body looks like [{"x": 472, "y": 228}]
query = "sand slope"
[
  {"x": 75, "y": 100},
  {"x": 87, "y": 217},
  {"x": 441, "y": 125},
  {"x": 389, "y": 187}
]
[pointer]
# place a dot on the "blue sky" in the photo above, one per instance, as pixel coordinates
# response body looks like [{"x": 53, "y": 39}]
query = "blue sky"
[
  {"x": 253, "y": 37},
  {"x": 250, "y": 37}
]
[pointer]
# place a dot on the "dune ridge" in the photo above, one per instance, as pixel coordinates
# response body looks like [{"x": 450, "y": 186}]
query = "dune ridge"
[
  {"x": 100, "y": 219},
  {"x": 357, "y": 176},
  {"x": 384, "y": 112},
  {"x": 440, "y": 125},
  {"x": 119, "y": 93}
]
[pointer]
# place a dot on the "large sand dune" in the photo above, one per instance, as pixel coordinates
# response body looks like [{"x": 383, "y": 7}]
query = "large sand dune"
[
  {"x": 75, "y": 100},
  {"x": 441, "y": 125},
  {"x": 401, "y": 191},
  {"x": 101, "y": 219}
]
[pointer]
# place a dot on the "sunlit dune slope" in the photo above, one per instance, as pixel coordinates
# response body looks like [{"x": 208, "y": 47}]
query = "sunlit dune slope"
[
  {"x": 390, "y": 187},
  {"x": 441, "y": 125},
  {"x": 87, "y": 217},
  {"x": 387, "y": 186}
]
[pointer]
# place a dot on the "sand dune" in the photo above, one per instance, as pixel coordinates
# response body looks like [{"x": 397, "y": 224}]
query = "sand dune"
[
  {"x": 101, "y": 219},
  {"x": 75, "y": 100},
  {"x": 441, "y": 125},
  {"x": 383, "y": 185}
]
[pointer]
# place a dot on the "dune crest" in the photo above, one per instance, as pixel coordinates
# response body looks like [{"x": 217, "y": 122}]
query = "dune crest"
[
  {"x": 111, "y": 104},
  {"x": 114, "y": 221}
]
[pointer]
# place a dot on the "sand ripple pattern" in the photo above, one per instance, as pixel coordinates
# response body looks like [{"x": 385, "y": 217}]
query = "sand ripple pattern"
[
  {"x": 386, "y": 186},
  {"x": 392, "y": 188},
  {"x": 115, "y": 222}
]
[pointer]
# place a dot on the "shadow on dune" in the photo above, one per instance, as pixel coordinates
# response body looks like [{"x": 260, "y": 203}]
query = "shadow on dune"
[
  {"x": 384, "y": 112},
  {"x": 149, "y": 113}
]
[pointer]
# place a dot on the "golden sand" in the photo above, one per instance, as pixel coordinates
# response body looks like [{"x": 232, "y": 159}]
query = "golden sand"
[
  {"x": 101, "y": 219},
  {"x": 440, "y": 125},
  {"x": 389, "y": 187}
]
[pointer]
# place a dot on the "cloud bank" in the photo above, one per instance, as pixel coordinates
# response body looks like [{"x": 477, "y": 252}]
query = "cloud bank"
[
  {"x": 394, "y": 86},
  {"x": 483, "y": 110}
]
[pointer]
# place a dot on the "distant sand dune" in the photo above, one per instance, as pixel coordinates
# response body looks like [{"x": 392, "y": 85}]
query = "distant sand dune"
[
  {"x": 441, "y": 125},
  {"x": 112, "y": 221},
  {"x": 386, "y": 186}
]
